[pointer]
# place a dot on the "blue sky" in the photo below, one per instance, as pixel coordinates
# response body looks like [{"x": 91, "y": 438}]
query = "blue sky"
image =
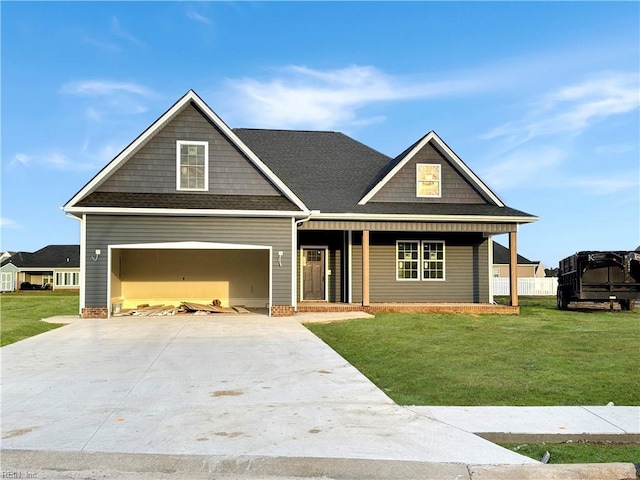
[{"x": 540, "y": 99}]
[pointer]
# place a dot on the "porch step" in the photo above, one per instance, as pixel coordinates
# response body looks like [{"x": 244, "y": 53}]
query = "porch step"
[
  {"x": 304, "y": 307},
  {"x": 474, "y": 308}
]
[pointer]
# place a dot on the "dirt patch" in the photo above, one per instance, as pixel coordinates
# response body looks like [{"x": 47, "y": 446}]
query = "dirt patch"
[
  {"x": 18, "y": 432},
  {"x": 227, "y": 393},
  {"x": 229, "y": 434}
]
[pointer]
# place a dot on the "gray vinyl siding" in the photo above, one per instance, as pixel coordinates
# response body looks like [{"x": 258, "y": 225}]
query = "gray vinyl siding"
[
  {"x": 466, "y": 270},
  {"x": 103, "y": 230},
  {"x": 455, "y": 188},
  {"x": 152, "y": 169}
]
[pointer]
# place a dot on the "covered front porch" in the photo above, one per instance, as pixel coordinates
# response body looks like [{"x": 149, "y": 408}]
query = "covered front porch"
[{"x": 400, "y": 266}]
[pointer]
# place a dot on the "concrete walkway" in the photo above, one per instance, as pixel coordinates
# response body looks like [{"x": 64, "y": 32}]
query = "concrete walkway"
[
  {"x": 246, "y": 395},
  {"x": 542, "y": 424}
]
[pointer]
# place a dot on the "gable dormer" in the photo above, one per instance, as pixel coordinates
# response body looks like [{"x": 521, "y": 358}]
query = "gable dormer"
[{"x": 429, "y": 172}]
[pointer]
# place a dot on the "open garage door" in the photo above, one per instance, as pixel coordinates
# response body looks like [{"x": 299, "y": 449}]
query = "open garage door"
[{"x": 170, "y": 273}]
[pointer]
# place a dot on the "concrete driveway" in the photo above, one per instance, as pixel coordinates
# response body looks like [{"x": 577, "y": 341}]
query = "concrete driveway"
[{"x": 242, "y": 385}]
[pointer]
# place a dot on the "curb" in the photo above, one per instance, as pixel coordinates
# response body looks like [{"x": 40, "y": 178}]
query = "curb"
[{"x": 72, "y": 465}]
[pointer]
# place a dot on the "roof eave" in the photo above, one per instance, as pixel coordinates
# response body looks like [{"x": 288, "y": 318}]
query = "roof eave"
[
  {"x": 185, "y": 212},
  {"x": 520, "y": 219}
]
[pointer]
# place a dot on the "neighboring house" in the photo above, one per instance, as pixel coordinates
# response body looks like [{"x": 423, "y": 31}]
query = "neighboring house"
[
  {"x": 194, "y": 210},
  {"x": 5, "y": 255},
  {"x": 526, "y": 268},
  {"x": 55, "y": 266}
]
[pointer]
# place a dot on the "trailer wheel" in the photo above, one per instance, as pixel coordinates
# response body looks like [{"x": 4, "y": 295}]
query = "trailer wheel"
[
  {"x": 562, "y": 301},
  {"x": 627, "y": 304}
]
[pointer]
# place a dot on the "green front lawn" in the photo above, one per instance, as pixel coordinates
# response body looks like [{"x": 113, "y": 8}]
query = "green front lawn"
[
  {"x": 21, "y": 312},
  {"x": 543, "y": 356},
  {"x": 579, "y": 452}
]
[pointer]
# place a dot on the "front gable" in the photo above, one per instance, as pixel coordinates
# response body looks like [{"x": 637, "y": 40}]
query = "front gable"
[
  {"x": 429, "y": 172},
  {"x": 154, "y": 166},
  {"x": 154, "y": 169}
]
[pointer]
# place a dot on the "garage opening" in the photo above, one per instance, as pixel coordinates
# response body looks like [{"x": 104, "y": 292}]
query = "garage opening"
[{"x": 172, "y": 273}]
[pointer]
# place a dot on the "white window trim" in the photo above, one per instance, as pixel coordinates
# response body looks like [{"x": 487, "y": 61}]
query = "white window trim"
[
  {"x": 444, "y": 261},
  {"x": 179, "y": 143},
  {"x": 419, "y": 260},
  {"x": 418, "y": 165},
  {"x": 74, "y": 277}
]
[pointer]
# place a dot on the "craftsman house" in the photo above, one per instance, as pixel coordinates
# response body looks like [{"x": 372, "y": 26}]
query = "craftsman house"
[{"x": 193, "y": 210}]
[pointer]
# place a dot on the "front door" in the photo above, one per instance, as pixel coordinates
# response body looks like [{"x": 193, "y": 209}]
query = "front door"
[{"x": 313, "y": 260}]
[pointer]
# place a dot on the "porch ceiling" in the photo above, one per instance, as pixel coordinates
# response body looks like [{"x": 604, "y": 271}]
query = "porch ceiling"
[{"x": 457, "y": 227}]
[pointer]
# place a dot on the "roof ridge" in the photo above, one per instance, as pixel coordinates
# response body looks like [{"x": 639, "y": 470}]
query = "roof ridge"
[{"x": 285, "y": 130}]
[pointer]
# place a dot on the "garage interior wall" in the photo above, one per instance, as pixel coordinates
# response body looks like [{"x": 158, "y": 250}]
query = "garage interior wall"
[{"x": 156, "y": 276}]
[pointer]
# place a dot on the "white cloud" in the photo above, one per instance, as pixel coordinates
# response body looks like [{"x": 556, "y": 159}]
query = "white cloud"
[
  {"x": 604, "y": 185},
  {"x": 85, "y": 159},
  {"x": 524, "y": 168},
  {"x": 100, "y": 88},
  {"x": 574, "y": 108},
  {"x": 198, "y": 17},
  {"x": 121, "y": 32},
  {"x": 8, "y": 223},
  {"x": 304, "y": 97},
  {"x": 109, "y": 97},
  {"x": 21, "y": 159}
]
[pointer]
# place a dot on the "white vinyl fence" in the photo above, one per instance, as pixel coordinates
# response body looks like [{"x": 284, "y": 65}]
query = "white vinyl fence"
[{"x": 527, "y": 286}]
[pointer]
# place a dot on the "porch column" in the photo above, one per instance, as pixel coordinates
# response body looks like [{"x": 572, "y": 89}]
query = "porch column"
[
  {"x": 365, "y": 268},
  {"x": 513, "y": 268}
]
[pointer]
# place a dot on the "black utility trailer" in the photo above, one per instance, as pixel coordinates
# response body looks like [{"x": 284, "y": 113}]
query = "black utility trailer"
[{"x": 612, "y": 277}]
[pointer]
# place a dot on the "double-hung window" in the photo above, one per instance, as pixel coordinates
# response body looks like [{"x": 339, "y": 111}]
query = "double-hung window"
[
  {"x": 192, "y": 165},
  {"x": 407, "y": 260},
  {"x": 432, "y": 260},
  {"x": 420, "y": 260},
  {"x": 428, "y": 180}
]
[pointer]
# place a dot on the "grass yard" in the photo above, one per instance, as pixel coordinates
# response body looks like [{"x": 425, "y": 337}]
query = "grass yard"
[
  {"x": 579, "y": 452},
  {"x": 21, "y": 312},
  {"x": 543, "y": 356}
]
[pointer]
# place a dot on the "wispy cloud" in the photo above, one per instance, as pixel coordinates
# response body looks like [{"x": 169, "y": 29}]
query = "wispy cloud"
[
  {"x": 572, "y": 109},
  {"x": 98, "y": 88},
  {"x": 8, "y": 223},
  {"x": 192, "y": 14},
  {"x": 544, "y": 149},
  {"x": 118, "y": 30},
  {"x": 524, "y": 168},
  {"x": 109, "y": 97},
  {"x": 21, "y": 159},
  {"x": 605, "y": 185},
  {"x": 82, "y": 159},
  {"x": 299, "y": 96}
]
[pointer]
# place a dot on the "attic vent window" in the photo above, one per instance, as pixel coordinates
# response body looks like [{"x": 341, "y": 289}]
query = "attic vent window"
[
  {"x": 192, "y": 165},
  {"x": 428, "y": 180}
]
